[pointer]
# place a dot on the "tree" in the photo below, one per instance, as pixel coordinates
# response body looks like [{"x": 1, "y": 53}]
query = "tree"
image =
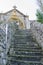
[
  {"x": 40, "y": 4},
  {"x": 39, "y": 16},
  {"x": 39, "y": 13}
]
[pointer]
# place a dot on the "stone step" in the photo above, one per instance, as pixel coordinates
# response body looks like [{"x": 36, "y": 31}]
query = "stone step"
[
  {"x": 21, "y": 62},
  {"x": 23, "y": 46},
  {"x": 30, "y": 49},
  {"x": 23, "y": 41},
  {"x": 23, "y": 32},
  {"x": 23, "y": 37},
  {"x": 28, "y": 53},
  {"x": 25, "y": 57},
  {"x": 27, "y": 43}
]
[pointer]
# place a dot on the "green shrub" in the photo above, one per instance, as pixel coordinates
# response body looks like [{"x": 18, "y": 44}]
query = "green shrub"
[{"x": 39, "y": 15}]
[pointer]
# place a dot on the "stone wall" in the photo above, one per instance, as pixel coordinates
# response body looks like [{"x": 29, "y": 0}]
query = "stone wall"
[{"x": 37, "y": 31}]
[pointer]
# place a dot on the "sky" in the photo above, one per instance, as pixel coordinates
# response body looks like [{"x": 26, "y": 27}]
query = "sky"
[{"x": 28, "y": 7}]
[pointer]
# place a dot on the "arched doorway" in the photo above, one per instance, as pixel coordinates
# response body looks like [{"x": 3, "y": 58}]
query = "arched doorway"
[{"x": 16, "y": 19}]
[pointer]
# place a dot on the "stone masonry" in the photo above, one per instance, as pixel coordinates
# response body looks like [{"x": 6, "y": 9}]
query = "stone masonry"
[{"x": 37, "y": 31}]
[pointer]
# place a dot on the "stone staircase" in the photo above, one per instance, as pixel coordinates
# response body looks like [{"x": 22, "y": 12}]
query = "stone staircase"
[{"x": 25, "y": 50}]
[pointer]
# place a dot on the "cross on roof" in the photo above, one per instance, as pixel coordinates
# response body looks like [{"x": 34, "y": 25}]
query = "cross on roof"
[{"x": 14, "y": 7}]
